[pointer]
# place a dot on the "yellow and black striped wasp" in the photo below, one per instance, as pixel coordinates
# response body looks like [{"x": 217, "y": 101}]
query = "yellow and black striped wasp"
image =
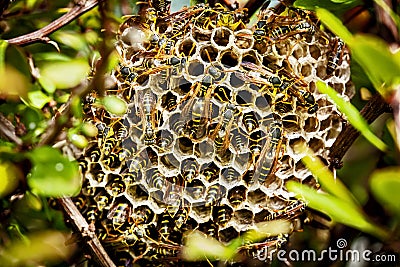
[
  {"x": 119, "y": 213},
  {"x": 335, "y": 56},
  {"x": 146, "y": 101},
  {"x": 196, "y": 111},
  {"x": 173, "y": 196},
  {"x": 289, "y": 212},
  {"x": 221, "y": 134},
  {"x": 214, "y": 193},
  {"x": 268, "y": 159},
  {"x": 282, "y": 82}
]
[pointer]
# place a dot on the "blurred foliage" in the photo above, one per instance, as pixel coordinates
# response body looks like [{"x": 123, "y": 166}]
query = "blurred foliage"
[{"x": 36, "y": 83}]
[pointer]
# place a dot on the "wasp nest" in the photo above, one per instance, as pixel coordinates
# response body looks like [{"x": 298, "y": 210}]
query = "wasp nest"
[{"x": 216, "y": 111}]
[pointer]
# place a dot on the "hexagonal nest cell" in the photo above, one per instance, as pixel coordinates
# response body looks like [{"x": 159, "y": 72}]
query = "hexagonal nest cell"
[{"x": 216, "y": 110}]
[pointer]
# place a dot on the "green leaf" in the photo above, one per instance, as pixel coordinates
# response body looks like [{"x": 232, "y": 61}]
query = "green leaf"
[
  {"x": 38, "y": 99},
  {"x": 65, "y": 75},
  {"x": 326, "y": 179},
  {"x": 10, "y": 177},
  {"x": 42, "y": 247},
  {"x": 3, "y": 47},
  {"x": 198, "y": 247},
  {"x": 337, "y": 6},
  {"x": 47, "y": 84},
  {"x": 52, "y": 174},
  {"x": 385, "y": 185},
  {"x": 380, "y": 65},
  {"x": 78, "y": 140},
  {"x": 115, "y": 105},
  {"x": 51, "y": 56},
  {"x": 13, "y": 84},
  {"x": 71, "y": 39},
  {"x": 334, "y": 24},
  {"x": 89, "y": 129},
  {"x": 339, "y": 210},
  {"x": 352, "y": 114}
]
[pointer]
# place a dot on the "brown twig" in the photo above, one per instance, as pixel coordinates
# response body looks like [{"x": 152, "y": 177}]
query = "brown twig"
[
  {"x": 90, "y": 238},
  {"x": 7, "y": 130},
  {"x": 41, "y": 35},
  {"x": 4, "y": 5},
  {"x": 252, "y": 6},
  {"x": 375, "y": 107}
]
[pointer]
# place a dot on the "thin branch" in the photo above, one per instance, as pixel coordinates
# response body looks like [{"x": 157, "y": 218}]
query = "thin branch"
[
  {"x": 90, "y": 238},
  {"x": 252, "y": 6},
  {"x": 41, "y": 35},
  {"x": 375, "y": 107},
  {"x": 3, "y": 6},
  {"x": 7, "y": 130}
]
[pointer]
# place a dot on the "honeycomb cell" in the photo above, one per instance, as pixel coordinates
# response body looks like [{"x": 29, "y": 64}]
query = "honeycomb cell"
[
  {"x": 143, "y": 214},
  {"x": 262, "y": 103},
  {"x": 306, "y": 70},
  {"x": 210, "y": 171},
  {"x": 208, "y": 54},
  {"x": 169, "y": 161},
  {"x": 202, "y": 36},
  {"x": 226, "y": 235},
  {"x": 222, "y": 215},
  {"x": 222, "y": 93},
  {"x": 248, "y": 177},
  {"x": 296, "y": 144},
  {"x": 183, "y": 86},
  {"x": 315, "y": 51},
  {"x": 311, "y": 124},
  {"x": 251, "y": 57},
  {"x": 316, "y": 144},
  {"x": 250, "y": 121},
  {"x": 244, "y": 216},
  {"x": 242, "y": 160},
  {"x": 210, "y": 229},
  {"x": 256, "y": 197},
  {"x": 204, "y": 149},
  {"x": 230, "y": 175},
  {"x": 237, "y": 195},
  {"x": 244, "y": 98},
  {"x": 244, "y": 39},
  {"x": 229, "y": 59},
  {"x": 221, "y": 37},
  {"x": 164, "y": 140},
  {"x": 185, "y": 145},
  {"x": 214, "y": 194},
  {"x": 195, "y": 189},
  {"x": 189, "y": 169},
  {"x": 154, "y": 178},
  {"x": 235, "y": 81},
  {"x": 176, "y": 124},
  {"x": 187, "y": 47},
  {"x": 291, "y": 122},
  {"x": 137, "y": 193},
  {"x": 169, "y": 101},
  {"x": 195, "y": 68},
  {"x": 202, "y": 212}
]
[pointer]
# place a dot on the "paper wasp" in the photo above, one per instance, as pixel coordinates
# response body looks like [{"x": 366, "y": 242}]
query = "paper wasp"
[{"x": 282, "y": 82}]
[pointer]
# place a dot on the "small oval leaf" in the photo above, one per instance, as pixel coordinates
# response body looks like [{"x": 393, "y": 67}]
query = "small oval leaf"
[
  {"x": 52, "y": 174},
  {"x": 65, "y": 75},
  {"x": 385, "y": 185},
  {"x": 115, "y": 105}
]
